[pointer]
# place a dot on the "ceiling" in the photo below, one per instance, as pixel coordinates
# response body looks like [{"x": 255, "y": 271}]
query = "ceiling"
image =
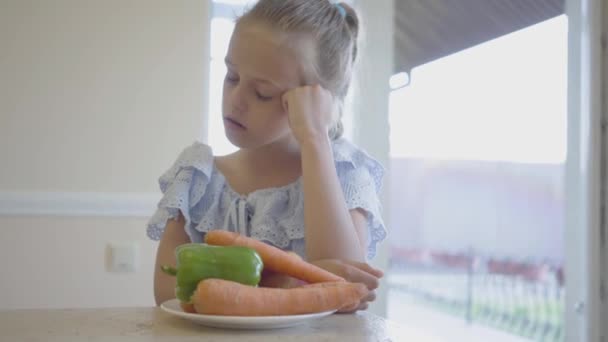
[{"x": 426, "y": 30}]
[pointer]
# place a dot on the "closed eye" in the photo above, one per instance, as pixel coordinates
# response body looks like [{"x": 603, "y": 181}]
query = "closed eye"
[
  {"x": 262, "y": 97},
  {"x": 231, "y": 77}
]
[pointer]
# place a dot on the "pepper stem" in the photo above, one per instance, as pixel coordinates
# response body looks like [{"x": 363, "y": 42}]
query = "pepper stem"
[{"x": 169, "y": 270}]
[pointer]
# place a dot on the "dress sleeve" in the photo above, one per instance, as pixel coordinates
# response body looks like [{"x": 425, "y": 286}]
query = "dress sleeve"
[
  {"x": 182, "y": 186},
  {"x": 361, "y": 179}
]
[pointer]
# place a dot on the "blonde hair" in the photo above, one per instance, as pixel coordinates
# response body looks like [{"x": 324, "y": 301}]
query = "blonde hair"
[{"x": 334, "y": 29}]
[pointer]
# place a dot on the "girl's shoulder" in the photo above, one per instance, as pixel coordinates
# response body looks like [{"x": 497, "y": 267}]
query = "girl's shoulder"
[
  {"x": 192, "y": 171},
  {"x": 198, "y": 155},
  {"x": 183, "y": 186},
  {"x": 351, "y": 159},
  {"x": 349, "y": 153}
]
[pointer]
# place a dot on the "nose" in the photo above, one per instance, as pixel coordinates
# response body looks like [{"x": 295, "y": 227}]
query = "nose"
[{"x": 238, "y": 99}]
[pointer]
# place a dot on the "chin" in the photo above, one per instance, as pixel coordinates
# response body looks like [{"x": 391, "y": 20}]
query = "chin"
[
  {"x": 239, "y": 140},
  {"x": 244, "y": 140}
]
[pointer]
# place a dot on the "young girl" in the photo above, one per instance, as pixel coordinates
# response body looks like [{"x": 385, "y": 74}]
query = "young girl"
[{"x": 294, "y": 182}]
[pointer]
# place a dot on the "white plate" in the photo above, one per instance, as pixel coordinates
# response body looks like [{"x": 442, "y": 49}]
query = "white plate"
[{"x": 241, "y": 322}]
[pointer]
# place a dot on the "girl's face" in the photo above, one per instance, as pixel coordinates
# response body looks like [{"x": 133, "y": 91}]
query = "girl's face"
[{"x": 261, "y": 68}]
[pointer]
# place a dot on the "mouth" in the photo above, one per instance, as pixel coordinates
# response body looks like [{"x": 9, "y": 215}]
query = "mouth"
[{"x": 233, "y": 123}]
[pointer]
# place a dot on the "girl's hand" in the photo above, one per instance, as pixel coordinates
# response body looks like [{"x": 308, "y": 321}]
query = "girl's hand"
[
  {"x": 277, "y": 280},
  {"x": 310, "y": 111},
  {"x": 353, "y": 271},
  {"x": 356, "y": 272}
]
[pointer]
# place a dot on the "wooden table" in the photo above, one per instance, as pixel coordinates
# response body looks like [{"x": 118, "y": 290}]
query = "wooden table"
[{"x": 153, "y": 324}]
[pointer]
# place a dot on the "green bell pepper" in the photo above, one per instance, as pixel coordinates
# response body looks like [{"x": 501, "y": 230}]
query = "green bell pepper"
[{"x": 199, "y": 261}]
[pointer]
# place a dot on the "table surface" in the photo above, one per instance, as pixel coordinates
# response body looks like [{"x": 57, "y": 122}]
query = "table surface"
[{"x": 153, "y": 324}]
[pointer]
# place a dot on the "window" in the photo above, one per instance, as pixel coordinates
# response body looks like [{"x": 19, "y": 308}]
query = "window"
[
  {"x": 224, "y": 13},
  {"x": 489, "y": 102},
  {"x": 477, "y": 197}
]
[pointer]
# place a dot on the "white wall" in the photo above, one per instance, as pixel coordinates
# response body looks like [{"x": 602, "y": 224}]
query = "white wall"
[
  {"x": 91, "y": 85},
  {"x": 96, "y": 100},
  {"x": 57, "y": 262}
]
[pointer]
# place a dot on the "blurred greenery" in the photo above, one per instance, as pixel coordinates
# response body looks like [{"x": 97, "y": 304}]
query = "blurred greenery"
[{"x": 531, "y": 310}]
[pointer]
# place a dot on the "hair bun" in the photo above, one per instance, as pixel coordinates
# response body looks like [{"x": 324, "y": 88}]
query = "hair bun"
[{"x": 351, "y": 18}]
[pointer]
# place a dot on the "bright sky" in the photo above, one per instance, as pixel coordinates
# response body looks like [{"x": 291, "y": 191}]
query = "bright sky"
[{"x": 502, "y": 100}]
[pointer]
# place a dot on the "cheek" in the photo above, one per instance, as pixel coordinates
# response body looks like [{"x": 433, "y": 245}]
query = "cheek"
[
  {"x": 271, "y": 111},
  {"x": 274, "y": 116},
  {"x": 280, "y": 115},
  {"x": 282, "y": 120},
  {"x": 226, "y": 93}
]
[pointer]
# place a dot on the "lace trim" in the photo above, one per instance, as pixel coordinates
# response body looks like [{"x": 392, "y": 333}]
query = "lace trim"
[
  {"x": 359, "y": 187},
  {"x": 277, "y": 222},
  {"x": 347, "y": 154},
  {"x": 189, "y": 176}
]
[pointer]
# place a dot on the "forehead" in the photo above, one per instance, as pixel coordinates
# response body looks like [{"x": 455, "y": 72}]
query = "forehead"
[{"x": 261, "y": 52}]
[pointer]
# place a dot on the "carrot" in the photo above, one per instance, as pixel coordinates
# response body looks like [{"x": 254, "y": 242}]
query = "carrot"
[
  {"x": 225, "y": 297},
  {"x": 321, "y": 285},
  {"x": 274, "y": 258},
  {"x": 187, "y": 307},
  {"x": 345, "y": 309}
]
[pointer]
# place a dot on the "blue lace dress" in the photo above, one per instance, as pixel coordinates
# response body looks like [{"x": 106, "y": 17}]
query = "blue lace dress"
[{"x": 197, "y": 189}]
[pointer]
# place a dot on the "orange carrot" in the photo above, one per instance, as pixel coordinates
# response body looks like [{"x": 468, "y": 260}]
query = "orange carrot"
[
  {"x": 187, "y": 307},
  {"x": 345, "y": 309},
  {"x": 274, "y": 258},
  {"x": 225, "y": 297},
  {"x": 321, "y": 285}
]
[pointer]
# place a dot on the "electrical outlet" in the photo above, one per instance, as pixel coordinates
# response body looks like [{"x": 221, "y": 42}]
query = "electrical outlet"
[{"x": 123, "y": 257}]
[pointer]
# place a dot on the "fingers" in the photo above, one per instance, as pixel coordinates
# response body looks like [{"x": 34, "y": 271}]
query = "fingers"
[
  {"x": 363, "y": 305},
  {"x": 350, "y": 308},
  {"x": 285, "y": 100},
  {"x": 371, "y": 296},
  {"x": 278, "y": 281},
  {"x": 367, "y": 268},
  {"x": 307, "y": 91},
  {"x": 356, "y": 275},
  {"x": 356, "y": 272}
]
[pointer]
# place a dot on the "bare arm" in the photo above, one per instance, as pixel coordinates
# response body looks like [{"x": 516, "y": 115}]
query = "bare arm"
[
  {"x": 174, "y": 235},
  {"x": 332, "y": 231}
]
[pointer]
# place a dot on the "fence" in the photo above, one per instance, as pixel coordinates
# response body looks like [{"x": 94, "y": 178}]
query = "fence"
[{"x": 522, "y": 297}]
